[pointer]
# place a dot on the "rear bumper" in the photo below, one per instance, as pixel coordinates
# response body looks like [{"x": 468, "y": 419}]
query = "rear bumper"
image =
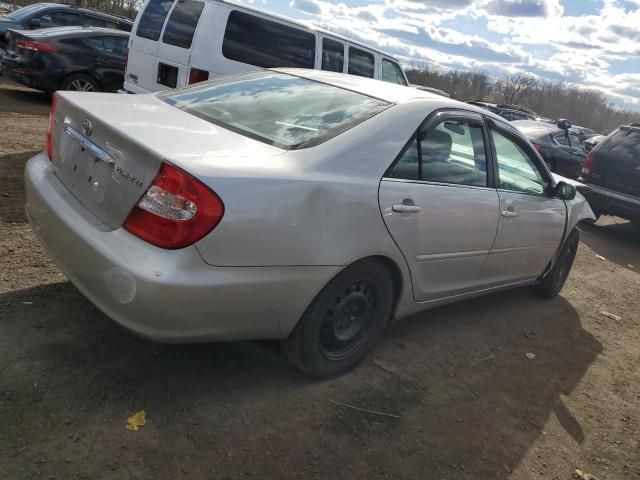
[
  {"x": 608, "y": 201},
  {"x": 26, "y": 75},
  {"x": 165, "y": 295}
]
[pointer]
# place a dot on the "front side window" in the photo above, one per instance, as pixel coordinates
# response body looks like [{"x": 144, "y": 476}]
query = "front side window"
[
  {"x": 153, "y": 18},
  {"x": 282, "y": 110},
  {"x": 332, "y": 55},
  {"x": 391, "y": 72},
  {"x": 182, "y": 23},
  {"x": 264, "y": 43},
  {"x": 99, "y": 22},
  {"x": 516, "y": 168},
  {"x": 361, "y": 63},
  {"x": 451, "y": 152}
]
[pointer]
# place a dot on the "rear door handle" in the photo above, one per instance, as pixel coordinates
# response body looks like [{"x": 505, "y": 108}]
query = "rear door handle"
[
  {"x": 509, "y": 213},
  {"x": 401, "y": 207}
]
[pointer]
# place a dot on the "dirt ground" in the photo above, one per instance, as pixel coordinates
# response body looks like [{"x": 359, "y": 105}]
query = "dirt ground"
[{"x": 471, "y": 404}]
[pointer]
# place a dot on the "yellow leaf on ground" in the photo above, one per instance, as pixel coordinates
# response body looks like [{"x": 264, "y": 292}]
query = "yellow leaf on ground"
[{"x": 137, "y": 420}]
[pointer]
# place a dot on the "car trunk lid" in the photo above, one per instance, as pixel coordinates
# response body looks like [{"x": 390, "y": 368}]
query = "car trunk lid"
[{"x": 107, "y": 148}]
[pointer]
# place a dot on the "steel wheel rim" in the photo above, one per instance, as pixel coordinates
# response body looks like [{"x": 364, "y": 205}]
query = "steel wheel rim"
[
  {"x": 346, "y": 320},
  {"x": 81, "y": 85}
]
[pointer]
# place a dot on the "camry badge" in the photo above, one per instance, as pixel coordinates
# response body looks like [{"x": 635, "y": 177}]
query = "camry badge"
[{"x": 87, "y": 127}]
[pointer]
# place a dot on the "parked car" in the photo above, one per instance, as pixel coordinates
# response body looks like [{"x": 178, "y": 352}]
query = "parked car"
[
  {"x": 506, "y": 113},
  {"x": 562, "y": 150},
  {"x": 590, "y": 143},
  {"x": 89, "y": 59},
  {"x": 584, "y": 132},
  {"x": 45, "y": 15},
  {"x": 611, "y": 174},
  {"x": 301, "y": 205},
  {"x": 181, "y": 42},
  {"x": 437, "y": 91}
]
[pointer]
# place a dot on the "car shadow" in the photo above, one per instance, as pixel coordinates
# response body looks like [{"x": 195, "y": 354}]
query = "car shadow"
[
  {"x": 15, "y": 98},
  {"x": 614, "y": 239},
  {"x": 467, "y": 401},
  {"x": 12, "y": 195}
]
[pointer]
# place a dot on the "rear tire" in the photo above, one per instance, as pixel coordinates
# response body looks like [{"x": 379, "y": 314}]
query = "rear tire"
[
  {"x": 554, "y": 281},
  {"x": 343, "y": 322},
  {"x": 80, "y": 82}
]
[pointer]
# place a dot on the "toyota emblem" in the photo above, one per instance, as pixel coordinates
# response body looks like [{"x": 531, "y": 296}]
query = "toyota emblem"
[{"x": 87, "y": 127}]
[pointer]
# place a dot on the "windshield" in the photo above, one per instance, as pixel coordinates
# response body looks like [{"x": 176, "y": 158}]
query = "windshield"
[
  {"x": 24, "y": 12},
  {"x": 282, "y": 110}
]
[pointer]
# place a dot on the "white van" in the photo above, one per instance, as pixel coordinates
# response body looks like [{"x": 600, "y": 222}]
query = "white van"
[{"x": 179, "y": 42}]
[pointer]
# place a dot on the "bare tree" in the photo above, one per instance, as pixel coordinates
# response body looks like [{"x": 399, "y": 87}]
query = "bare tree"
[{"x": 514, "y": 86}]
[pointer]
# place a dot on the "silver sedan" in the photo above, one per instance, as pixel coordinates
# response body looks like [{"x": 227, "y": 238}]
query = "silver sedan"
[{"x": 306, "y": 206}]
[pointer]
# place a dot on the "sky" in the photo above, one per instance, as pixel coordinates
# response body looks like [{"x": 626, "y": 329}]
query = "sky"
[{"x": 592, "y": 43}]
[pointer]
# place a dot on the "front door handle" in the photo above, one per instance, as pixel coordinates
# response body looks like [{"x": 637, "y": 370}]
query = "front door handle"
[
  {"x": 509, "y": 213},
  {"x": 406, "y": 208}
]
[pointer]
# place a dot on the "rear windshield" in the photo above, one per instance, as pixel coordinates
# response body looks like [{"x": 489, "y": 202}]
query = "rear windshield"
[
  {"x": 281, "y": 110},
  {"x": 625, "y": 143},
  {"x": 153, "y": 18}
]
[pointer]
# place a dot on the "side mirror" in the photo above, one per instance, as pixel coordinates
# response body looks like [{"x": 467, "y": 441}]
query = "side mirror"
[
  {"x": 565, "y": 191},
  {"x": 564, "y": 124},
  {"x": 35, "y": 23}
]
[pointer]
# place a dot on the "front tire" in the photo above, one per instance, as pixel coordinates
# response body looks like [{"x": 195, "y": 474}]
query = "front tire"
[
  {"x": 554, "y": 281},
  {"x": 343, "y": 322}
]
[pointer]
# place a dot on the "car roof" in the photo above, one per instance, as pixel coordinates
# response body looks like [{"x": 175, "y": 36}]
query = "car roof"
[
  {"x": 83, "y": 10},
  {"x": 71, "y": 31},
  {"x": 386, "y": 91}
]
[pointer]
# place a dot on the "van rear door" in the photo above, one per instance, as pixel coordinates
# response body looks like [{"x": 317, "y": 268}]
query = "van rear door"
[
  {"x": 142, "y": 61},
  {"x": 160, "y": 46},
  {"x": 174, "y": 49}
]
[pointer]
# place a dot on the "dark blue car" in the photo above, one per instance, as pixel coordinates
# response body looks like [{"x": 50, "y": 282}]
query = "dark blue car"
[{"x": 67, "y": 58}]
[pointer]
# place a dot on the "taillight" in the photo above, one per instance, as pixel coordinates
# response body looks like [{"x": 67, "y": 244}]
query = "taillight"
[
  {"x": 196, "y": 75},
  {"x": 588, "y": 164},
  {"x": 537, "y": 146},
  {"x": 47, "y": 144},
  {"x": 36, "y": 46},
  {"x": 176, "y": 211}
]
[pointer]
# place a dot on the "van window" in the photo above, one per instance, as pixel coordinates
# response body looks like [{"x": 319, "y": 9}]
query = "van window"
[
  {"x": 625, "y": 143},
  {"x": 391, "y": 72},
  {"x": 153, "y": 18},
  {"x": 256, "y": 41},
  {"x": 182, "y": 23},
  {"x": 332, "y": 55},
  {"x": 361, "y": 63},
  {"x": 282, "y": 110}
]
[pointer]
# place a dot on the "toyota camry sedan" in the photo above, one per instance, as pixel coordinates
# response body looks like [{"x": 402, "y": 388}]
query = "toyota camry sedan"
[{"x": 300, "y": 205}]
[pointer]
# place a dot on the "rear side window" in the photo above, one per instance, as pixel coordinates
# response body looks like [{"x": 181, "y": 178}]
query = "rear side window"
[
  {"x": 153, "y": 18},
  {"x": 182, "y": 23},
  {"x": 625, "y": 143},
  {"x": 99, "y": 22},
  {"x": 332, "y": 55},
  {"x": 391, "y": 72},
  {"x": 361, "y": 63},
  {"x": 256, "y": 41},
  {"x": 110, "y": 45},
  {"x": 282, "y": 110},
  {"x": 59, "y": 19}
]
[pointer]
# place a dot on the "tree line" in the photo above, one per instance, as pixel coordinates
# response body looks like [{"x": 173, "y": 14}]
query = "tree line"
[{"x": 581, "y": 106}]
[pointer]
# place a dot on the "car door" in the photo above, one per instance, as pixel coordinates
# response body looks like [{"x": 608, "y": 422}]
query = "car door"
[
  {"x": 532, "y": 220},
  {"x": 110, "y": 60},
  {"x": 439, "y": 206}
]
